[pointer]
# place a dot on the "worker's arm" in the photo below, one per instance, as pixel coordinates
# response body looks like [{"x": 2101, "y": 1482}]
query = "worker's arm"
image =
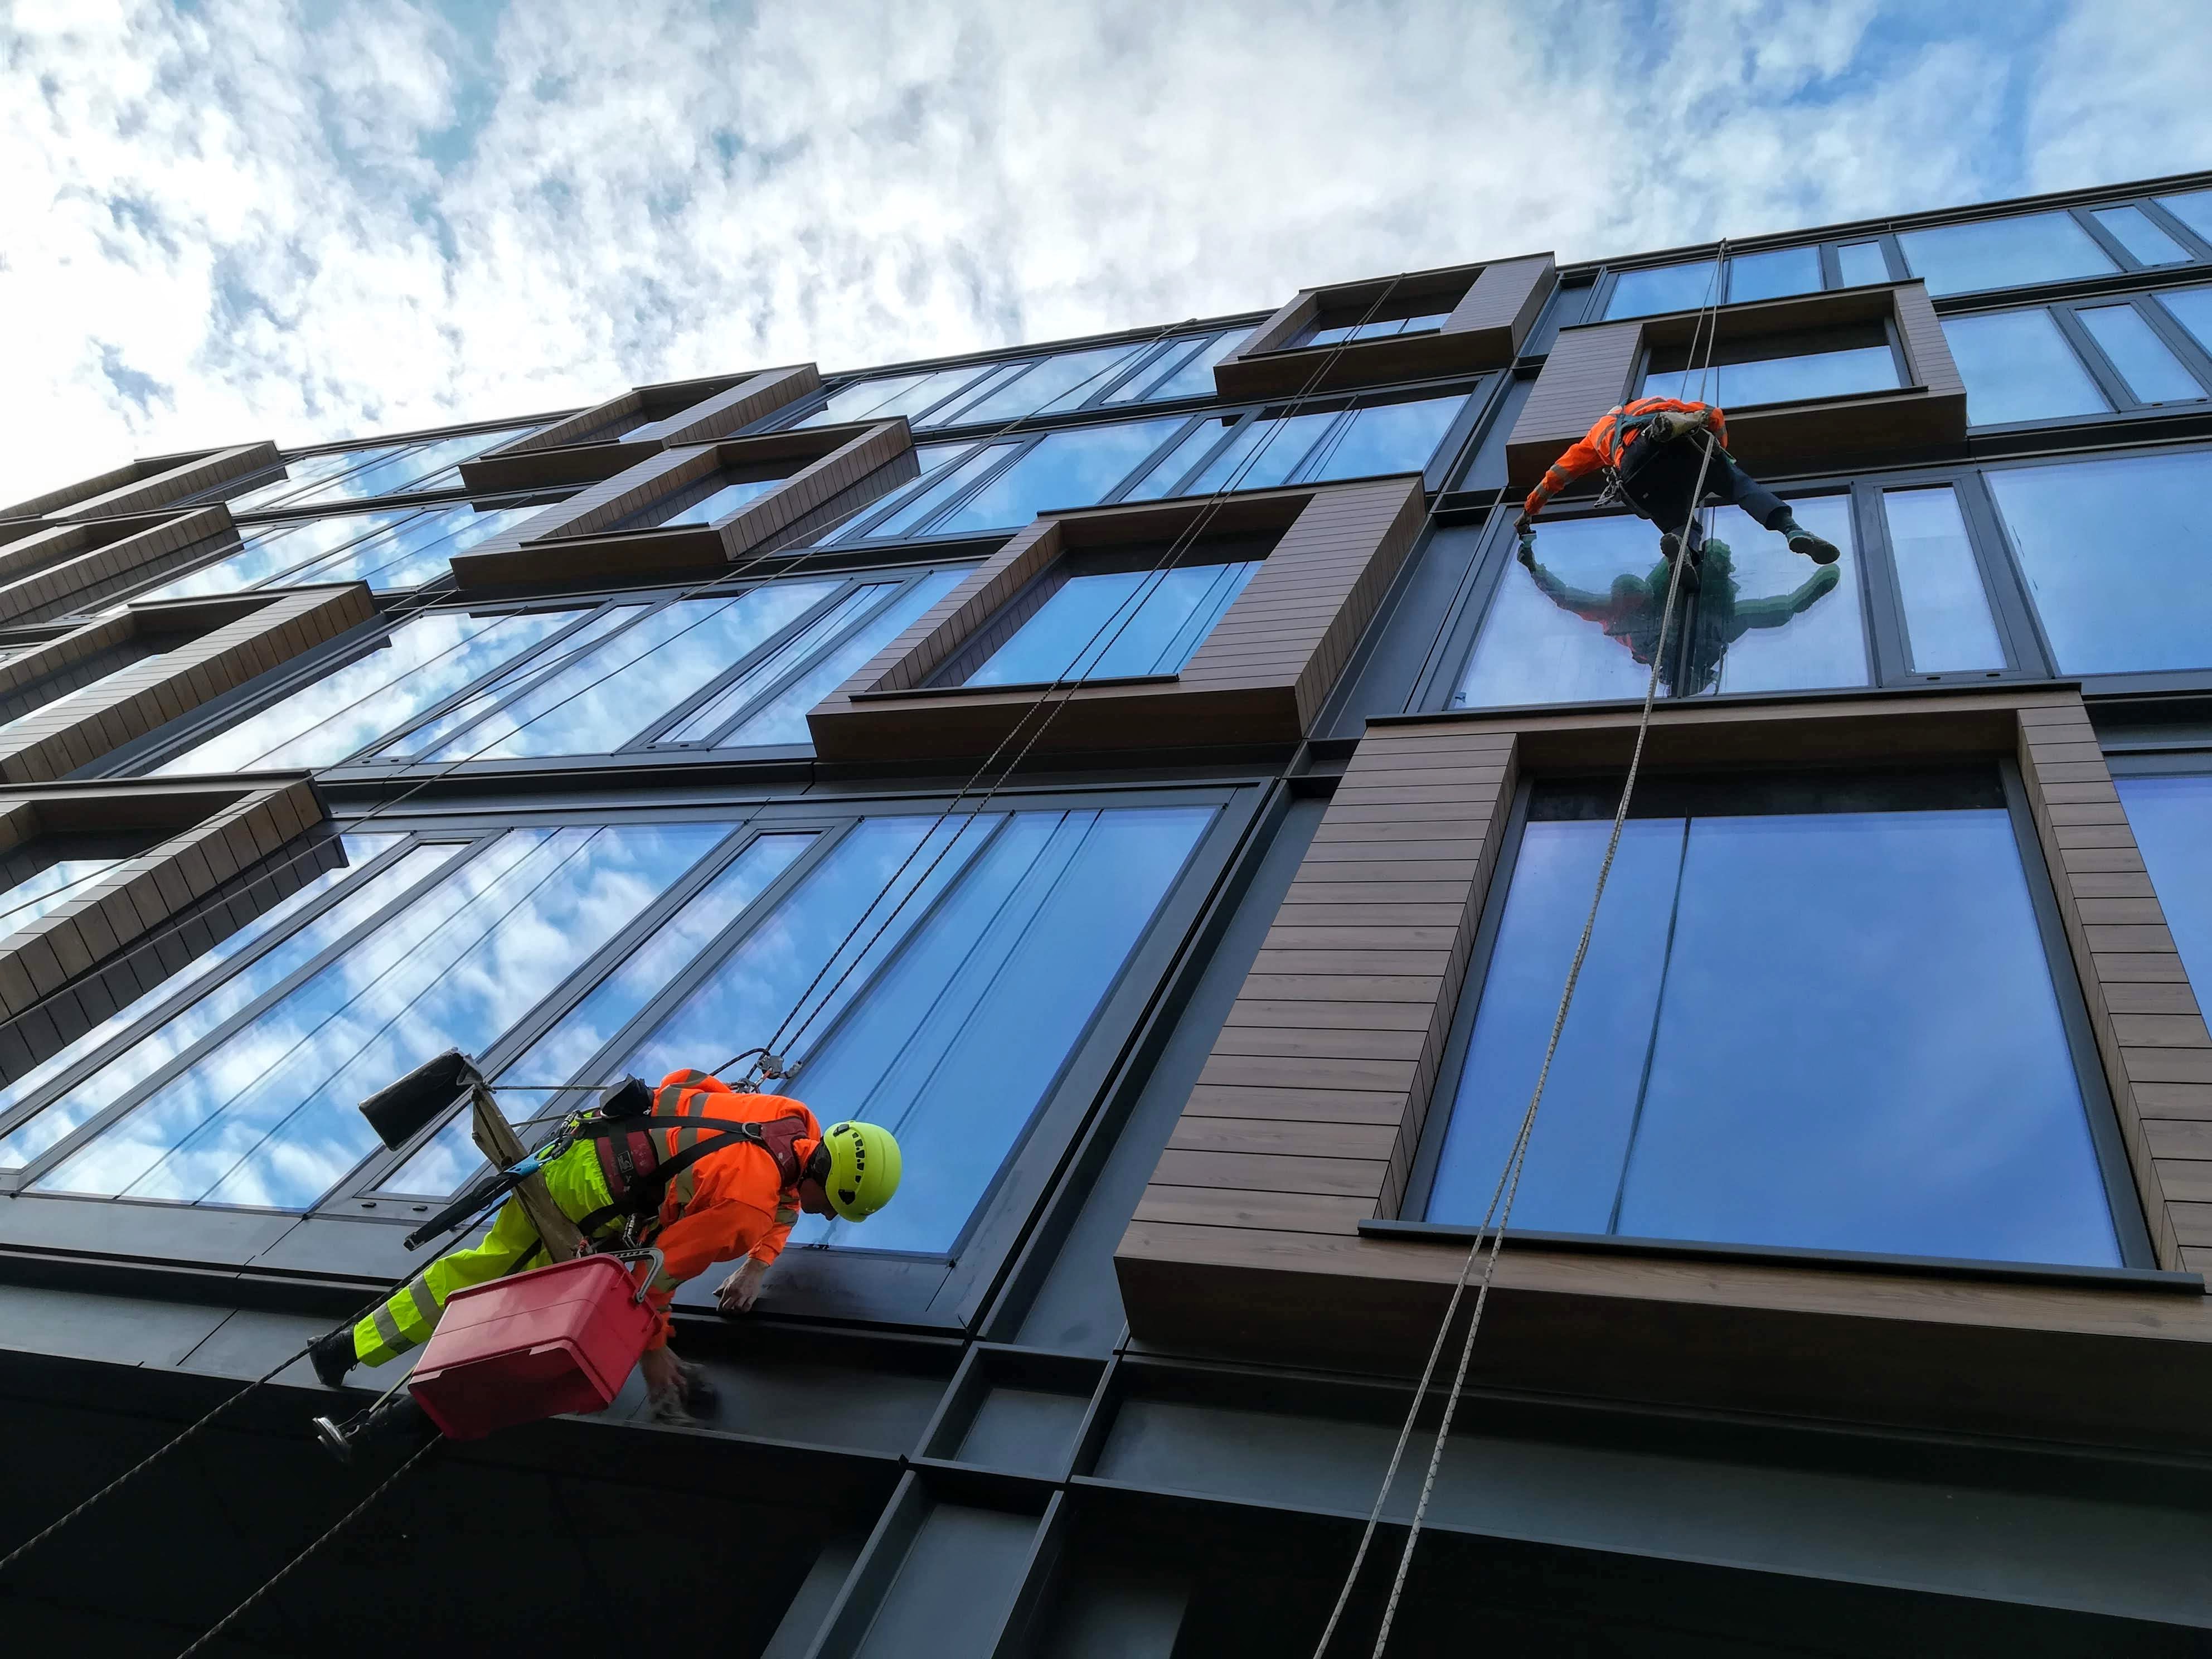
[
  {"x": 1590, "y": 607},
  {"x": 1579, "y": 462},
  {"x": 695, "y": 1241},
  {"x": 1772, "y": 613}
]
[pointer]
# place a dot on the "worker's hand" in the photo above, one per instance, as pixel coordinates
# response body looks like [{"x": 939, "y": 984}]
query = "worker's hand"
[
  {"x": 742, "y": 1288},
  {"x": 1527, "y": 551},
  {"x": 664, "y": 1376},
  {"x": 1524, "y": 527}
]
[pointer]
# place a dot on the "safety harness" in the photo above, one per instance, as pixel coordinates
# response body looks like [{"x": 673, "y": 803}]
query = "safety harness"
[{"x": 637, "y": 1174}]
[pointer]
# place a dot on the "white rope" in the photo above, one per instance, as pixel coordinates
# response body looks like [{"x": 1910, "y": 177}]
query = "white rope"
[{"x": 1509, "y": 1179}]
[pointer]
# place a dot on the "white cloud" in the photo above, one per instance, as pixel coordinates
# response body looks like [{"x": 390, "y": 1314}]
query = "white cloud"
[{"x": 249, "y": 220}]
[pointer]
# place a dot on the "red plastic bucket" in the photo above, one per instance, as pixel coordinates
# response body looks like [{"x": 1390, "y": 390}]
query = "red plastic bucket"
[{"x": 558, "y": 1338}]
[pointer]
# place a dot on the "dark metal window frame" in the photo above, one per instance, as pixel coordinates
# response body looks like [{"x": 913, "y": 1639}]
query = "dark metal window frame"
[
  {"x": 856, "y": 532},
  {"x": 1831, "y": 273},
  {"x": 396, "y": 448},
  {"x": 530, "y": 667},
  {"x": 948, "y": 1290},
  {"x": 1891, "y": 337},
  {"x": 2114, "y": 1169},
  {"x": 2099, "y": 367}
]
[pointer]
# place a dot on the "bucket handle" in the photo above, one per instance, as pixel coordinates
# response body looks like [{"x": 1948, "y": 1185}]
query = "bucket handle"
[{"x": 648, "y": 1253}]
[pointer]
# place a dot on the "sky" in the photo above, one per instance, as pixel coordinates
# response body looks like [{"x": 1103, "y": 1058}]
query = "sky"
[{"x": 231, "y": 220}]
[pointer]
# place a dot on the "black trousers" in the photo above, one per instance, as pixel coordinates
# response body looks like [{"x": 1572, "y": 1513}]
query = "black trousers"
[{"x": 1657, "y": 480}]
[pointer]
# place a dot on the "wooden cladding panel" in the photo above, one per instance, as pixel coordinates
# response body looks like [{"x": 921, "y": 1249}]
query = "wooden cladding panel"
[
  {"x": 151, "y": 492},
  {"x": 1261, "y": 676},
  {"x": 727, "y": 412},
  {"x": 1503, "y": 304},
  {"x": 47, "y": 569},
  {"x": 1585, "y": 374}
]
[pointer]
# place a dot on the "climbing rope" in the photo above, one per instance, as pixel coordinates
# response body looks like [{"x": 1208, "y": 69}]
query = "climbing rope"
[{"x": 1507, "y": 1186}]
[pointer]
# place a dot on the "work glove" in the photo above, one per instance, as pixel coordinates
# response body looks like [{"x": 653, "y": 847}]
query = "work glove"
[
  {"x": 1670, "y": 424},
  {"x": 1527, "y": 551},
  {"x": 1524, "y": 527}
]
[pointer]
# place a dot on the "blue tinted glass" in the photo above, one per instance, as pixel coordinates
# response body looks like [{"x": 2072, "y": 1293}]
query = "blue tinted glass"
[
  {"x": 426, "y": 660},
  {"x": 953, "y": 411},
  {"x": 607, "y": 696},
  {"x": 48, "y": 890},
  {"x": 1168, "y": 471},
  {"x": 783, "y": 719},
  {"x": 1766, "y": 619},
  {"x": 1104, "y": 627},
  {"x": 2193, "y": 209},
  {"x": 1195, "y": 378},
  {"x": 2018, "y": 366},
  {"x": 420, "y": 550},
  {"x": 1065, "y": 469},
  {"x": 1827, "y": 1030},
  {"x": 265, "y": 555},
  {"x": 359, "y": 849},
  {"x": 298, "y": 474},
  {"x": 1162, "y": 365},
  {"x": 1383, "y": 438},
  {"x": 2145, "y": 242},
  {"x": 1578, "y": 627},
  {"x": 450, "y": 1156},
  {"x": 2172, "y": 819},
  {"x": 1263, "y": 453},
  {"x": 723, "y": 503},
  {"x": 2037, "y": 247},
  {"x": 1770, "y": 275},
  {"x": 2146, "y": 362},
  {"x": 1062, "y": 382},
  {"x": 2118, "y": 556},
  {"x": 1665, "y": 288},
  {"x": 1780, "y": 380},
  {"x": 176, "y": 1035},
  {"x": 861, "y": 399},
  {"x": 1947, "y": 625},
  {"x": 409, "y": 467},
  {"x": 960, "y": 1038},
  {"x": 930, "y": 389},
  {"x": 2192, "y": 309},
  {"x": 1861, "y": 263},
  {"x": 929, "y": 496},
  {"x": 520, "y": 671},
  {"x": 267, "y": 1117},
  {"x": 719, "y": 710}
]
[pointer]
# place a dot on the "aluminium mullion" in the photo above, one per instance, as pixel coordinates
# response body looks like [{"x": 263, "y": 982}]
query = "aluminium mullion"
[
  {"x": 178, "y": 1064},
  {"x": 1153, "y": 458},
  {"x": 1015, "y": 447},
  {"x": 2100, "y": 368},
  {"x": 2003, "y": 577},
  {"x": 1891, "y": 632},
  {"x": 650, "y": 737},
  {"x": 2197, "y": 247},
  {"x": 2166, "y": 327},
  {"x": 858, "y": 530},
  {"x": 2085, "y": 216},
  {"x": 1229, "y": 436},
  {"x": 177, "y": 1001},
  {"x": 1323, "y": 448}
]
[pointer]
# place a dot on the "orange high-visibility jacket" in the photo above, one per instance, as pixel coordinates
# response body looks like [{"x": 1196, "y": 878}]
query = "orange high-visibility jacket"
[
  {"x": 1602, "y": 445},
  {"x": 732, "y": 1202}
]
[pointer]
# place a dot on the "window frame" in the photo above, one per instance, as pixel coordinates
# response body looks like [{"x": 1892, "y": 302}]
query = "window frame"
[
  {"x": 945, "y": 1290},
  {"x": 1831, "y": 276},
  {"x": 1905, "y": 382},
  {"x": 531, "y": 665},
  {"x": 2099, "y": 367},
  {"x": 2114, "y": 1170}
]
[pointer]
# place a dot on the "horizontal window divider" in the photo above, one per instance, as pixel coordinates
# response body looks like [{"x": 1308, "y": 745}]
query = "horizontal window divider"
[
  {"x": 1678, "y": 708},
  {"x": 1032, "y": 688},
  {"x": 2014, "y": 1273}
]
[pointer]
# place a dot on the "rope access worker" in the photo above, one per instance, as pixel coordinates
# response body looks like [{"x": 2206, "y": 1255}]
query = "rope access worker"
[
  {"x": 737, "y": 1198},
  {"x": 1639, "y": 445}
]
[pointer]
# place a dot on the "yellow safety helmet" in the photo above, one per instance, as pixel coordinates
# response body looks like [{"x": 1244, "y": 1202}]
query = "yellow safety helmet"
[{"x": 864, "y": 1168}]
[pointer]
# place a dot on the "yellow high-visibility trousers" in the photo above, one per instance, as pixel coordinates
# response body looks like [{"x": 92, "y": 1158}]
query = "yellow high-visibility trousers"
[{"x": 407, "y": 1318}]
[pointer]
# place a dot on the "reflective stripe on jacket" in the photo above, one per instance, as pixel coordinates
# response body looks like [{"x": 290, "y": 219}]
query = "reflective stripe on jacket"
[{"x": 1607, "y": 440}]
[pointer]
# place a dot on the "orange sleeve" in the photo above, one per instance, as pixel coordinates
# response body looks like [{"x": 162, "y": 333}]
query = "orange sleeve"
[
  {"x": 701, "y": 1236},
  {"x": 1578, "y": 462}
]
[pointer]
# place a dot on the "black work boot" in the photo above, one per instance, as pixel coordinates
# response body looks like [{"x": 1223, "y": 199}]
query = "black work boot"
[
  {"x": 398, "y": 1424},
  {"x": 1802, "y": 540},
  {"x": 332, "y": 1357}
]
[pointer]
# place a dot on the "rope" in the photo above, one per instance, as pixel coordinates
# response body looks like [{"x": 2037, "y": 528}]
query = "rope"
[
  {"x": 327, "y": 1533},
  {"x": 1509, "y": 1179}
]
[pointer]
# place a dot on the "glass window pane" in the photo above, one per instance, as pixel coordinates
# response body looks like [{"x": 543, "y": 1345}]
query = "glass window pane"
[
  {"x": 1862, "y": 264},
  {"x": 1263, "y": 453},
  {"x": 930, "y": 389},
  {"x": 608, "y": 695},
  {"x": 426, "y": 660},
  {"x": 48, "y": 890},
  {"x": 1771, "y": 275},
  {"x": 2146, "y": 362},
  {"x": 861, "y": 399},
  {"x": 418, "y": 552},
  {"x": 191, "y": 1021},
  {"x": 1169, "y": 469},
  {"x": 1781, "y": 379},
  {"x": 523, "y": 670},
  {"x": 1065, "y": 469},
  {"x": 298, "y": 474},
  {"x": 1579, "y": 626},
  {"x": 1108, "y": 626},
  {"x": 2171, "y": 818},
  {"x": 1664, "y": 287},
  {"x": 783, "y": 721},
  {"x": 37, "y": 1134},
  {"x": 1384, "y": 437},
  {"x": 1766, "y": 619},
  {"x": 2035, "y": 247},
  {"x": 1170, "y": 359},
  {"x": 1062, "y": 382},
  {"x": 928, "y": 497},
  {"x": 267, "y": 1117},
  {"x": 2193, "y": 209},
  {"x": 958, "y": 1020},
  {"x": 1195, "y": 378},
  {"x": 405, "y": 467},
  {"x": 2118, "y": 555},
  {"x": 954, "y": 410},
  {"x": 2018, "y": 366},
  {"x": 1822, "y": 1031},
  {"x": 719, "y": 710},
  {"x": 2134, "y": 231},
  {"x": 266, "y": 555},
  {"x": 2192, "y": 309},
  {"x": 723, "y": 503},
  {"x": 1948, "y": 624}
]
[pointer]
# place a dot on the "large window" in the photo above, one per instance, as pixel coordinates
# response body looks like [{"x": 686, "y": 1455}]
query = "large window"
[
  {"x": 2117, "y": 558},
  {"x": 1092, "y": 618},
  {"x": 2034, "y": 247},
  {"x": 1770, "y": 275},
  {"x": 1834, "y": 363},
  {"x": 710, "y": 670},
  {"x": 360, "y": 475},
  {"x": 388, "y": 550},
  {"x": 968, "y": 961},
  {"x": 2171, "y": 818},
  {"x": 1260, "y": 450},
  {"x": 2086, "y": 357},
  {"x": 1816, "y": 1013},
  {"x": 1581, "y": 624}
]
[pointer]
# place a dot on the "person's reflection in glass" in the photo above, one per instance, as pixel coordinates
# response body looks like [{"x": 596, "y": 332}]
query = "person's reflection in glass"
[{"x": 1631, "y": 610}]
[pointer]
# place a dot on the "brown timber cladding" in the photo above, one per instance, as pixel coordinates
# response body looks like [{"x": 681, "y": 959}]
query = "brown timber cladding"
[
  {"x": 44, "y": 570},
  {"x": 1306, "y": 1116},
  {"x": 1261, "y": 676}
]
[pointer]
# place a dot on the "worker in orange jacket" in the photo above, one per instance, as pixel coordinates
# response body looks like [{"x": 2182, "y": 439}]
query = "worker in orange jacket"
[
  {"x": 1642, "y": 445},
  {"x": 728, "y": 1190}
]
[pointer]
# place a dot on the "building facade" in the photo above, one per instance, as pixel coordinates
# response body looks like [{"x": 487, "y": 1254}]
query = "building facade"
[{"x": 1140, "y": 770}]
